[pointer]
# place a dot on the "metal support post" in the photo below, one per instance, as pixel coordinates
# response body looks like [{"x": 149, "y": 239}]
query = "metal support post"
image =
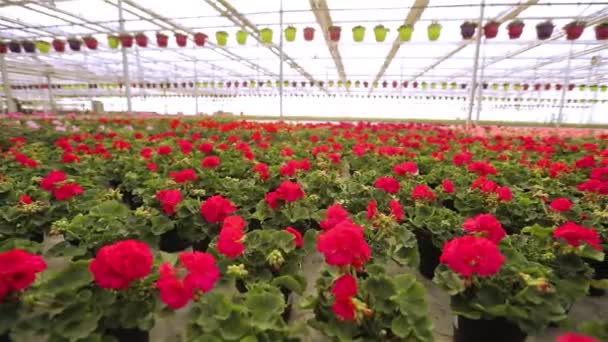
[
  {"x": 195, "y": 89},
  {"x": 560, "y": 115},
  {"x": 475, "y": 65},
  {"x": 125, "y": 60},
  {"x": 10, "y": 105},
  {"x": 281, "y": 62},
  {"x": 50, "y": 93},
  {"x": 480, "y": 89}
]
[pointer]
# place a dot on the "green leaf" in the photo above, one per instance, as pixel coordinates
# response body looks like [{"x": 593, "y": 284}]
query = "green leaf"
[
  {"x": 73, "y": 277},
  {"x": 448, "y": 280},
  {"x": 290, "y": 283},
  {"x": 235, "y": 327},
  {"x": 15, "y": 243},
  {"x": 265, "y": 307},
  {"x": 310, "y": 240},
  {"x": 538, "y": 231},
  {"x": 65, "y": 249},
  {"x": 401, "y": 327},
  {"x": 161, "y": 224},
  {"x": 587, "y": 251},
  {"x": 113, "y": 209}
]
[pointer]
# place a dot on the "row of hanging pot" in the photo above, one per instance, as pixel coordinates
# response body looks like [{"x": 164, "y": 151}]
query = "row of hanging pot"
[
  {"x": 544, "y": 30},
  {"x": 339, "y": 84}
]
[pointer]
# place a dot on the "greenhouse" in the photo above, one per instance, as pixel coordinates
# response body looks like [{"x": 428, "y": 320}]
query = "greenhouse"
[{"x": 321, "y": 170}]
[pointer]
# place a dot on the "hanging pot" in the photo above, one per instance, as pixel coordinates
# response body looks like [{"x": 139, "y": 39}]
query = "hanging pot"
[
  {"x": 221, "y": 37},
  {"x": 515, "y": 29},
  {"x": 334, "y": 33},
  {"x": 467, "y": 29},
  {"x": 290, "y": 34},
  {"x": 181, "y": 39},
  {"x": 3, "y": 48},
  {"x": 113, "y": 42},
  {"x": 358, "y": 33},
  {"x": 241, "y": 37},
  {"x": 162, "y": 40},
  {"x": 14, "y": 46},
  {"x": 574, "y": 30},
  {"x": 405, "y": 33},
  {"x": 141, "y": 40},
  {"x": 200, "y": 39},
  {"x": 309, "y": 34},
  {"x": 126, "y": 40},
  {"x": 482, "y": 330},
  {"x": 74, "y": 44},
  {"x": 90, "y": 43},
  {"x": 490, "y": 29},
  {"x": 544, "y": 30},
  {"x": 43, "y": 46},
  {"x": 380, "y": 33},
  {"x": 433, "y": 31},
  {"x": 266, "y": 35},
  {"x": 601, "y": 31},
  {"x": 28, "y": 46}
]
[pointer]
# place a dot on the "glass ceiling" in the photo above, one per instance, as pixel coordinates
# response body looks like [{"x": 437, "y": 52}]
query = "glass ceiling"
[{"x": 449, "y": 59}]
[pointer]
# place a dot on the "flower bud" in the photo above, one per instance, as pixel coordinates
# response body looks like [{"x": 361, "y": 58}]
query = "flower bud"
[
  {"x": 275, "y": 259},
  {"x": 237, "y": 271}
]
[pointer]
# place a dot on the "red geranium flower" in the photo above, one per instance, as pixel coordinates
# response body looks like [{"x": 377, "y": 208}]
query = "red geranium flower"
[
  {"x": 572, "y": 337},
  {"x": 262, "y": 171},
  {"x": 561, "y": 204},
  {"x": 585, "y": 162},
  {"x": 25, "y": 199},
  {"x": 18, "y": 270},
  {"x": 146, "y": 152},
  {"x": 470, "y": 255},
  {"x": 482, "y": 169},
  {"x": 344, "y": 245},
  {"x": 210, "y": 162},
  {"x": 185, "y": 146},
  {"x": 164, "y": 150},
  {"x": 372, "y": 210},
  {"x": 485, "y": 225},
  {"x": 575, "y": 235},
  {"x": 118, "y": 265},
  {"x": 297, "y": 237},
  {"x": 173, "y": 291},
  {"x": 344, "y": 308},
  {"x": 152, "y": 167},
  {"x": 388, "y": 184},
  {"x": 272, "y": 199},
  {"x": 205, "y": 148},
  {"x": 396, "y": 210},
  {"x": 405, "y": 168},
  {"x": 289, "y": 191},
  {"x": 462, "y": 158},
  {"x": 484, "y": 185},
  {"x": 594, "y": 185},
  {"x": 334, "y": 215},
  {"x": 216, "y": 208},
  {"x": 183, "y": 176},
  {"x": 68, "y": 158},
  {"x": 447, "y": 186},
  {"x": 169, "y": 199},
  {"x": 48, "y": 183},
  {"x": 504, "y": 194},
  {"x": 422, "y": 192},
  {"x": 229, "y": 241},
  {"x": 67, "y": 191},
  {"x": 344, "y": 287}
]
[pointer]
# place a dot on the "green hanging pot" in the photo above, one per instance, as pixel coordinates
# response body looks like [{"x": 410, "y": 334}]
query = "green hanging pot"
[
  {"x": 266, "y": 35},
  {"x": 241, "y": 37},
  {"x": 290, "y": 34},
  {"x": 405, "y": 32},
  {"x": 43, "y": 46},
  {"x": 380, "y": 32},
  {"x": 221, "y": 37},
  {"x": 495, "y": 86},
  {"x": 358, "y": 33},
  {"x": 113, "y": 42},
  {"x": 603, "y": 88},
  {"x": 593, "y": 87},
  {"x": 434, "y": 31}
]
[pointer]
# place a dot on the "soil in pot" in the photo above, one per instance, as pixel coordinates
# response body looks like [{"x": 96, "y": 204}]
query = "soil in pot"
[
  {"x": 429, "y": 254},
  {"x": 484, "y": 330},
  {"x": 129, "y": 335}
]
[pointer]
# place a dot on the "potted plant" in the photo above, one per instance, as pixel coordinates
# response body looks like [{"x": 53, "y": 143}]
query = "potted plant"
[
  {"x": 181, "y": 39},
  {"x": 290, "y": 33},
  {"x": 405, "y": 32},
  {"x": 601, "y": 31},
  {"x": 3, "y": 48},
  {"x": 266, "y": 35},
  {"x": 28, "y": 46},
  {"x": 113, "y": 42},
  {"x": 141, "y": 40},
  {"x": 574, "y": 29},
  {"x": 126, "y": 40},
  {"x": 358, "y": 33},
  {"x": 380, "y": 33},
  {"x": 544, "y": 30},
  {"x": 74, "y": 43},
  {"x": 14, "y": 46},
  {"x": 515, "y": 28},
  {"x": 334, "y": 33},
  {"x": 309, "y": 33},
  {"x": 162, "y": 40},
  {"x": 467, "y": 29},
  {"x": 433, "y": 31},
  {"x": 90, "y": 42},
  {"x": 221, "y": 37},
  {"x": 490, "y": 29},
  {"x": 241, "y": 37},
  {"x": 200, "y": 39}
]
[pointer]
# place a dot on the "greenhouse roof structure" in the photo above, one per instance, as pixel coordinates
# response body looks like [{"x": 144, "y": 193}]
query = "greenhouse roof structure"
[{"x": 328, "y": 47}]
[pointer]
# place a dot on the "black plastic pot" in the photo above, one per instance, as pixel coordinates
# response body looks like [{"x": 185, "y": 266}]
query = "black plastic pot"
[
  {"x": 601, "y": 272},
  {"x": 5, "y": 338},
  {"x": 484, "y": 330},
  {"x": 129, "y": 335},
  {"x": 429, "y": 254},
  {"x": 171, "y": 242}
]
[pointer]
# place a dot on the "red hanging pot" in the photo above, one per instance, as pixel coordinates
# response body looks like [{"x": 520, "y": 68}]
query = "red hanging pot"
[
  {"x": 3, "y": 48},
  {"x": 162, "y": 40},
  {"x": 14, "y": 46},
  {"x": 200, "y": 39},
  {"x": 90, "y": 42},
  {"x": 570, "y": 87},
  {"x": 574, "y": 30},
  {"x": 558, "y": 87},
  {"x": 537, "y": 87},
  {"x": 334, "y": 33},
  {"x": 525, "y": 86},
  {"x": 544, "y": 30},
  {"x": 141, "y": 40},
  {"x": 515, "y": 29},
  {"x": 384, "y": 84},
  {"x": 548, "y": 86},
  {"x": 601, "y": 31},
  {"x": 181, "y": 39},
  {"x": 126, "y": 40},
  {"x": 467, "y": 29},
  {"x": 404, "y": 84},
  {"x": 395, "y": 84},
  {"x": 28, "y": 46},
  {"x": 415, "y": 85},
  {"x": 490, "y": 29},
  {"x": 309, "y": 34}
]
